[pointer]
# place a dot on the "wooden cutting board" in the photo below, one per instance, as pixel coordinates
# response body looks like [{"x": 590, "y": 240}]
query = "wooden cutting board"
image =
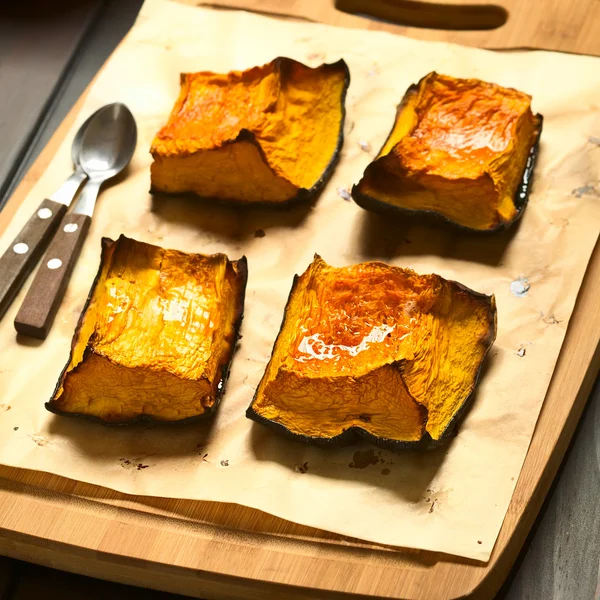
[
  {"x": 212, "y": 550},
  {"x": 567, "y": 25}
]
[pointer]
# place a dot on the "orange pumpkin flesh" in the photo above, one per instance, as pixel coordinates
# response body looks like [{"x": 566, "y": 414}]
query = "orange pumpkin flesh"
[
  {"x": 375, "y": 351},
  {"x": 156, "y": 337},
  {"x": 462, "y": 149},
  {"x": 270, "y": 134}
]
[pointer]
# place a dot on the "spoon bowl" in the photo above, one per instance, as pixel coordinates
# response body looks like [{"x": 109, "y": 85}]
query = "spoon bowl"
[
  {"x": 108, "y": 142},
  {"x": 78, "y": 139},
  {"x": 106, "y": 148}
]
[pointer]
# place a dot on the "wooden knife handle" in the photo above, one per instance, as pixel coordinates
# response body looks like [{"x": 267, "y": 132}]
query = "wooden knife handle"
[
  {"x": 22, "y": 255},
  {"x": 36, "y": 315}
]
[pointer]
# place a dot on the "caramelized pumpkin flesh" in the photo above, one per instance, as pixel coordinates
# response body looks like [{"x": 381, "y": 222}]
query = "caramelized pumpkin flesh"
[
  {"x": 268, "y": 135},
  {"x": 156, "y": 337},
  {"x": 459, "y": 148},
  {"x": 374, "y": 350}
]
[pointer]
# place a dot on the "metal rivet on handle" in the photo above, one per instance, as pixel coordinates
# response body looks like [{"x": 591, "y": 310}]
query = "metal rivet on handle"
[
  {"x": 54, "y": 263},
  {"x": 70, "y": 228},
  {"x": 44, "y": 213},
  {"x": 20, "y": 248}
]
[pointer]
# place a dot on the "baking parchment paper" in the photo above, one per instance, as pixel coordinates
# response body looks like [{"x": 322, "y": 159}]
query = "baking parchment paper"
[{"x": 450, "y": 500}]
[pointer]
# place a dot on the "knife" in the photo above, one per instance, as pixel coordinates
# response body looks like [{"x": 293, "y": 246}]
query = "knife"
[
  {"x": 25, "y": 250},
  {"x": 23, "y": 253}
]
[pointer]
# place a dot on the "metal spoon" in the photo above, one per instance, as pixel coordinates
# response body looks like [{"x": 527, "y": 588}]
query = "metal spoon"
[
  {"x": 22, "y": 255},
  {"x": 107, "y": 147}
]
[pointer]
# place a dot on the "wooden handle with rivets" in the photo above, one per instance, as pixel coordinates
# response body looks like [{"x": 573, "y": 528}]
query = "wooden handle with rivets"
[
  {"x": 36, "y": 315},
  {"x": 22, "y": 255}
]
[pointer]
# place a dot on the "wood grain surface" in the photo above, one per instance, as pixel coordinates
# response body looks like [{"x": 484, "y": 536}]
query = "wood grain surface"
[
  {"x": 560, "y": 556},
  {"x": 568, "y": 25}
]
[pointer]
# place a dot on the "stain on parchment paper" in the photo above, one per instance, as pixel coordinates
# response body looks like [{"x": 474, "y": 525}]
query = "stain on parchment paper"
[
  {"x": 594, "y": 140},
  {"x": 550, "y": 319},
  {"x": 519, "y": 287},
  {"x": 40, "y": 440},
  {"x": 303, "y": 468},
  {"x": 385, "y": 460},
  {"x": 344, "y": 194},
  {"x": 364, "y": 458},
  {"x": 374, "y": 70},
  {"x": 522, "y": 348},
  {"x": 5, "y": 407},
  {"x": 133, "y": 463},
  {"x": 585, "y": 190},
  {"x": 436, "y": 498}
]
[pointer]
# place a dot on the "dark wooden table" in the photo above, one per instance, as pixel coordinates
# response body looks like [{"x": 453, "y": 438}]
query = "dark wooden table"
[{"x": 45, "y": 64}]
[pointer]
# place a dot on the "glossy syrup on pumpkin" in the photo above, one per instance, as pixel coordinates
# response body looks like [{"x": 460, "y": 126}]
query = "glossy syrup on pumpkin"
[
  {"x": 462, "y": 125},
  {"x": 356, "y": 319}
]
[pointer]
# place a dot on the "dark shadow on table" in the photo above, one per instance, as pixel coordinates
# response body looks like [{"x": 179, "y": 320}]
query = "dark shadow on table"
[
  {"x": 137, "y": 442},
  {"x": 25, "y": 340},
  {"x": 408, "y": 475},
  {"x": 387, "y": 237},
  {"x": 228, "y": 221}
]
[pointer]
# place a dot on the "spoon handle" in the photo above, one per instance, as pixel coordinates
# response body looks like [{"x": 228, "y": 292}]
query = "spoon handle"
[
  {"x": 23, "y": 253},
  {"x": 36, "y": 315}
]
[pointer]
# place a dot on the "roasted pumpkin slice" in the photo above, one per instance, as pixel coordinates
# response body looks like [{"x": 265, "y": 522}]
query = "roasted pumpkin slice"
[
  {"x": 271, "y": 134},
  {"x": 462, "y": 149},
  {"x": 156, "y": 336},
  {"x": 374, "y": 351}
]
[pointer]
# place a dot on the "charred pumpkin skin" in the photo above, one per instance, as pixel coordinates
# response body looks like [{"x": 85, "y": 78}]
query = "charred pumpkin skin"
[
  {"x": 239, "y": 276},
  {"x": 290, "y": 321},
  {"x": 369, "y": 201},
  {"x": 284, "y": 67}
]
